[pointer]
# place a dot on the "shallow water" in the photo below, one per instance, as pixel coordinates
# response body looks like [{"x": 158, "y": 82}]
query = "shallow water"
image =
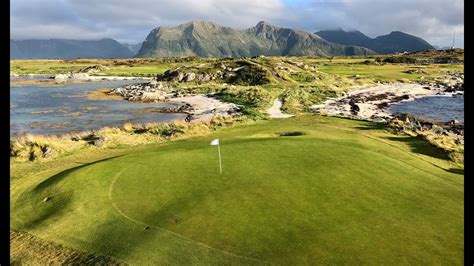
[
  {"x": 437, "y": 108},
  {"x": 66, "y": 108}
]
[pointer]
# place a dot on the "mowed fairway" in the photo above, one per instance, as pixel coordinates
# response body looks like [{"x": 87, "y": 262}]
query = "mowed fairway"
[{"x": 345, "y": 192}]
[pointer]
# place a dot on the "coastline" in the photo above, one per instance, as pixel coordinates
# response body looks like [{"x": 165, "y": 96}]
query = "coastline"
[
  {"x": 372, "y": 103},
  {"x": 76, "y": 76}
]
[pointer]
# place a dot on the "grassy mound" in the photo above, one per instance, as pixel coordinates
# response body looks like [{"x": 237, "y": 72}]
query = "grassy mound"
[{"x": 337, "y": 194}]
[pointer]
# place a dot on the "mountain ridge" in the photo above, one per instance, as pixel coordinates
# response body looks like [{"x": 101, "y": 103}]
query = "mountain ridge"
[
  {"x": 395, "y": 41},
  {"x": 56, "y": 48},
  {"x": 208, "y": 39}
]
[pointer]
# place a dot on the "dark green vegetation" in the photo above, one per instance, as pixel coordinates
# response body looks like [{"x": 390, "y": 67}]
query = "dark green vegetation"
[
  {"x": 343, "y": 192},
  {"x": 207, "y": 39},
  {"x": 62, "y": 48},
  {"x": 393, "y": 42}
]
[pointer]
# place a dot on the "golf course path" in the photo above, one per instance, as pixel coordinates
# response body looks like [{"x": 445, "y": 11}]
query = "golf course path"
[{"x": 275, "y": 110}]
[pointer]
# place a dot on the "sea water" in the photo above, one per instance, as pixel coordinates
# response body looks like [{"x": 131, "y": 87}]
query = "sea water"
[
  {"x": 53, "y": 109},
  {"x": 436, "y": 108}
]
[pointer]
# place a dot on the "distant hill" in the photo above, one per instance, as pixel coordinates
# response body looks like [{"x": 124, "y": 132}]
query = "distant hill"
[
  {"x": 15, "y": 51},
  {"x": 207, "y": 39},
  {"x": 394, "y": 42},
  {"x": 134, "y": 48},
  {"x": 298, "y": 43},
  {"x": 64, "y": 49},
  {"x": 345, "y": 37}
]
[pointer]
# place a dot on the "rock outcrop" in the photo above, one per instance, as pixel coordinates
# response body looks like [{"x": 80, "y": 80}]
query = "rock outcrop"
[
  {"x": 152, "y": 91},
  {"x": 372, "y": 103}
]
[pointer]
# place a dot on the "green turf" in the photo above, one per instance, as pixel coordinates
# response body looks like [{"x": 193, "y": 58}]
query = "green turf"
[{"x": 343, "y": 192}]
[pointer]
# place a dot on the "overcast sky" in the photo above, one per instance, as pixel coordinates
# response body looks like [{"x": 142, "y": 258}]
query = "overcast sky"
[{"x": 131, "y": 20}]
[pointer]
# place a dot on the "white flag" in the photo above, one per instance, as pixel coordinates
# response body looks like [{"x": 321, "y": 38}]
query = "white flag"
[{"x": 215, "y": 142}]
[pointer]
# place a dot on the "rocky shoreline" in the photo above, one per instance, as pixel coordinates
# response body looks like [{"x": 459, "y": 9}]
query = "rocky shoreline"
[
  {"x": 373, "y": 103},
  {"x": 198, "y": 107},
  {"x": 448, "y": 136}
]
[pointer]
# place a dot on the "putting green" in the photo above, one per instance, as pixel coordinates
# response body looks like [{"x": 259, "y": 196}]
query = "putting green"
[{"x": 338, "y": 194}]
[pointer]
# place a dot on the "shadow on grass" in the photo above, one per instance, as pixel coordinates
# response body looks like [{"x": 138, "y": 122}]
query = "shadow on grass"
[
  {"x": 422, "y": 146},
  {"x": 40, "y": 211},
  {"x": 39, "y": 203},
  {"x": 372, "y": 126},
  {"x": 458, "y": 171},
  {"x": 59, "y": 176}
]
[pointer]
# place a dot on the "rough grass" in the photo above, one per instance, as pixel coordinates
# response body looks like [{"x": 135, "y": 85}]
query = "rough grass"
[
  {"x": 33, "y": 147},
  {"x": 346, "y": 192},
  {"x": 27, "y": 249}
]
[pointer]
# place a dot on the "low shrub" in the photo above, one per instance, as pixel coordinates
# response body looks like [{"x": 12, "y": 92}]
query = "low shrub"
[
  {"x": 303, "y": 77},
  {"x": 400, "y": 60}
]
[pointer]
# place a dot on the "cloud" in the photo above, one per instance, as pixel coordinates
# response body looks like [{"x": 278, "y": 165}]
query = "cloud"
[
  {"x": 127, "y": 20},
  {"x": 433, "y": 20},
  {"x": 132, "y": 20}
]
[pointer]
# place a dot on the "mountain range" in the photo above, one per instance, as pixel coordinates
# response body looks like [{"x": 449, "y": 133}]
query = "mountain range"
[
  {"x": 396, "y": 41},
  {"x": 207, "y": 39},
  {"x": 134, "y": 48},
  {"x": 64, "y": 49}
]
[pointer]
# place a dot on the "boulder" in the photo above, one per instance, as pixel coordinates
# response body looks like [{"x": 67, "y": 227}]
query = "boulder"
[
  {"x": 180, "y": 76},
  {"x": 47, "y": 152},
  {"x": 379, "y": 119},
  {"x": 98, "y": 142},
  {"x": 237, "y": 69},
  {"x": 189, "y": 77},
  {"x": 152, "y": 96},
  {"x": 204, "y": 77},
  {"x": 95, "y": 140},
  {"x": 437, "y": 129},
  {"x": 93, "y": 69},
  {"x": 80, "y": 76},
  {"x": 61, "y": 78}
]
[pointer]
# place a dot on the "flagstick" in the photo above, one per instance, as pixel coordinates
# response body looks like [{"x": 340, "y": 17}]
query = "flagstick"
[{"x": 220, "y": 163}]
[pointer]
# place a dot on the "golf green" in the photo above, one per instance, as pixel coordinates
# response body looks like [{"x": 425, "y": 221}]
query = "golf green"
[{"x": 342, "y": 192}]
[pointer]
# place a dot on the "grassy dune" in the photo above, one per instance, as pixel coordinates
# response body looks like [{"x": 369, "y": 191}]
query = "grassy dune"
[{"x": 342, "y": 192}]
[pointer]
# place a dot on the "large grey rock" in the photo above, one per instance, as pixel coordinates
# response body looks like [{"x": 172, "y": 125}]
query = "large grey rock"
[
  {"x": 61, "y": 78},
  {"x": 189, "y": 77},
  {"x": 203, "y": 77},
  {"x": 80, "y": 76},
  {"x": 47, "y": 152}
]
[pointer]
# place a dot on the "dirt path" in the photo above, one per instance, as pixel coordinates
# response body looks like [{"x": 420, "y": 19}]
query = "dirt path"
[{"x": 275, "y": 110}]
